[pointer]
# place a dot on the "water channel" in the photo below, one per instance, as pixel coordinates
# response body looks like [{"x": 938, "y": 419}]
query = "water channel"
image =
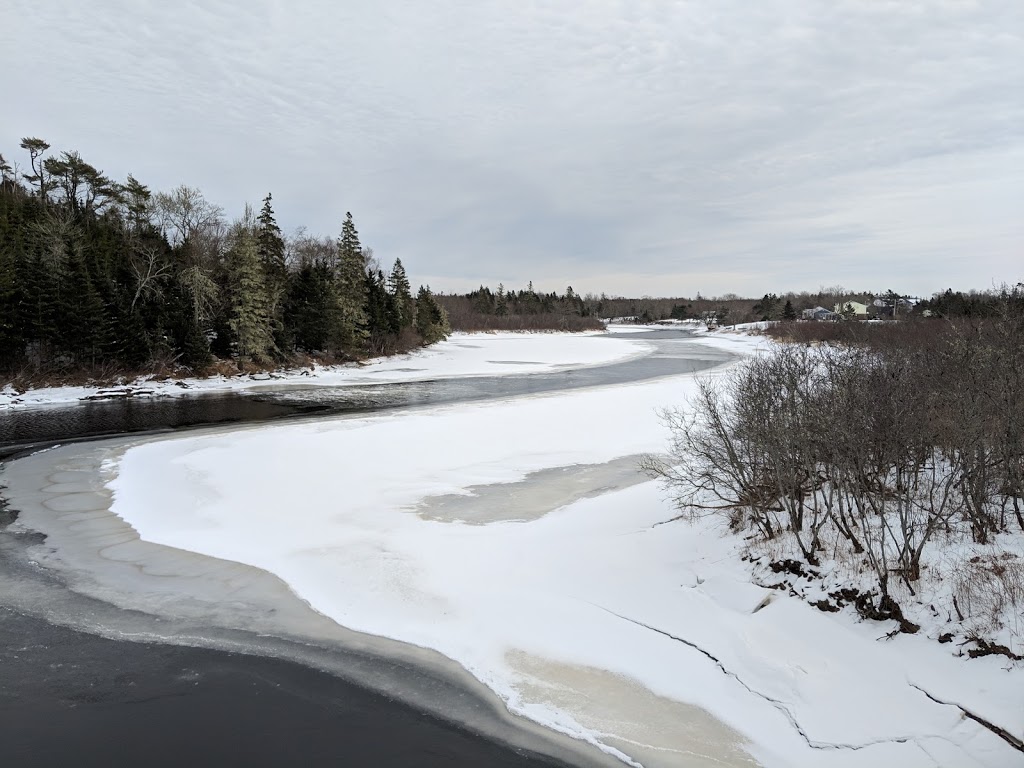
[{"x": 26, "y": 429}]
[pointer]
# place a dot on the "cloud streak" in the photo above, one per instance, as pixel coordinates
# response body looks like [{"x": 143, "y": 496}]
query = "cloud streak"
[{"x": 711, "y": 145}]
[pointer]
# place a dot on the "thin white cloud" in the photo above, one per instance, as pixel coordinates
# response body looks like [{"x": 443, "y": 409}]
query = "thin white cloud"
[{"x": 713, "y": 145}]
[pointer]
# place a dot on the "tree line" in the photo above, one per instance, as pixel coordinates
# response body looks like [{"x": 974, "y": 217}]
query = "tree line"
[
  {"x": 510, "y": 310},
  {"x": 100, "y": 277},
  {"x": 874, "y": 453}
]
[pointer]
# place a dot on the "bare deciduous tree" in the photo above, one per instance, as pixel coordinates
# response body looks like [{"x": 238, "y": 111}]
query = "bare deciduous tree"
[
  {"x": 881, "y": 447},
  {"x": 184, "y": 211}
]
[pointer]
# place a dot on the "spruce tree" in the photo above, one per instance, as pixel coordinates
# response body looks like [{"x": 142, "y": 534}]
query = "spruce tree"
[
  {"x": 788, "y": 313},
  {"x": 270, "y": 246},
  {"x": 380, "y": 310},
  {"x": 83, "y": 322},
  {"x": 401, "y": 292},
  {"x": 312, "y": 307},
  {"x": 249, "y": 311},
  {"x": 351, "y": 289},
  {"x": 431, "y": 319},
  {"x": 500, "y": 302}
]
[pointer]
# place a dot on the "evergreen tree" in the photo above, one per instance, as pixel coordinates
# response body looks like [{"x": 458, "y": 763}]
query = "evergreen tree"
[
  {"x": 431, "y": 319},
  {"x": 401, "y": 292},
  {"x": 35, "y": 148},
  {"x": 351, "y": 289},
  {"x": 137, "y": 199},
  {"x": 83, "y": 328},
  {"x": 380, "y": 311},
  {"x": 788, "y": 313},
  {"x": 500, "y": 302},
  {"x": 767, "y": 307},
  {"x": 270, "y": 246},
  {"x": 249, "y": 312},
  {"x": 312, "y": 307},
  {"x": 97, "y": 273}
]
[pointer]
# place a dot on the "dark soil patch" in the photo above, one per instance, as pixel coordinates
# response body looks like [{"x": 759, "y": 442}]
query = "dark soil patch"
[
  {"x": 986, "y": 648},
  {"x": 793, "y": 568}
]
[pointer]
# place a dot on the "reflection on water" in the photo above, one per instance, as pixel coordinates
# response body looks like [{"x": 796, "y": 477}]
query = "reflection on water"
[
  {"x": 19, "y": 429},
  {"x": 25, "y": 428}
]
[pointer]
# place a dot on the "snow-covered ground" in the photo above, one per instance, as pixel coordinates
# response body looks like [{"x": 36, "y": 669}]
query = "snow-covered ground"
[
  {"x": 463, "y": 354},
  {"x": 567, "y": 599}
]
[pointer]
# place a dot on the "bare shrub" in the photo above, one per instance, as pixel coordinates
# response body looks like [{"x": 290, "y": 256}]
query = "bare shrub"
[
  {"x": 989, "y": 591},
  {"x": 879, "y": 447}
]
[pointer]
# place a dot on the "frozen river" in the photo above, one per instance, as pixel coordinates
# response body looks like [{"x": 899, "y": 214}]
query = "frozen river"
[
  {"x": 21, "y": 429},
  {"x": 481, "y": 547},
  {"x": 227, "y": 606}
]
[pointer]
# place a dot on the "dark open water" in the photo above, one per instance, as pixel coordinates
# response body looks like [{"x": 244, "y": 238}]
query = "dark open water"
[{"x": 69, "y": 698}]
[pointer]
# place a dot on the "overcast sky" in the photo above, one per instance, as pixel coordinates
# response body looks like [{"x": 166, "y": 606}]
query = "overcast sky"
[{"x": 658, "y": 148}]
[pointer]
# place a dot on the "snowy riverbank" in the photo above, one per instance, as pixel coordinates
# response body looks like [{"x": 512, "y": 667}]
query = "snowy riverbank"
[
  {"x": 558, "y": 590},
  {"x": 463, "y": 354}
]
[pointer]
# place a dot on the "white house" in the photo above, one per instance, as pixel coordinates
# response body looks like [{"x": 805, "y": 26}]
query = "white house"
[{"x": 854, "y": 307}]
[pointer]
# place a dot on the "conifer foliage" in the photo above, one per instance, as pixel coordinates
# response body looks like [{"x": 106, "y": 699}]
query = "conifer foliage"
[{"x": 98, "y": 276}]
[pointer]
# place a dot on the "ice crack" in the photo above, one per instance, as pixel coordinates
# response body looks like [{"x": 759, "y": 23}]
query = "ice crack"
[
  {"x": 779, "y": 705},
  {"x": 1002, "y": 733}
]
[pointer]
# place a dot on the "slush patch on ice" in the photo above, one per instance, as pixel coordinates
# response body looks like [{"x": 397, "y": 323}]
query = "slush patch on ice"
[
  {"x": 534, "y": 496},
  {"x": 646, "y": 726}
]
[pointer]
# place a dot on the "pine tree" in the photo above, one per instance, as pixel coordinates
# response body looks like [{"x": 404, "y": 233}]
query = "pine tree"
[
  {"x": 351, "y": 288},
  {"x": 249, "y": 311},
  {"x": 137, "y": 198},
  {"x": 788, "y": 313},
  {"x": 35, "y": 148}
]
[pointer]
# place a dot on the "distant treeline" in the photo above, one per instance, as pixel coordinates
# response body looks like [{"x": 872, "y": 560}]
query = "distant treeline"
[
  {"x": 501, "y": 309},
  {"x": 99, "y": 277},
  {"x": 918, "y": 324}
]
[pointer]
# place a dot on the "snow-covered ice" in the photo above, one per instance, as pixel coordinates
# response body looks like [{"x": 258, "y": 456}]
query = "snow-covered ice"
[{"x": 648, "y": 640}]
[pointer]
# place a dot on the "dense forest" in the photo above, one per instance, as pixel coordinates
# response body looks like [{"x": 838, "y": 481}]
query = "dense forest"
[
  {"x": 486, "y": 310},
  {"x": 100, "y": 277}
]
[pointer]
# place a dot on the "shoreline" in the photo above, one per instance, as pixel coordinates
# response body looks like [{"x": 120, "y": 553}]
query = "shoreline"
[
  {"x": 75, "y": 565},
  {"x": 377, "y": 370}
]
